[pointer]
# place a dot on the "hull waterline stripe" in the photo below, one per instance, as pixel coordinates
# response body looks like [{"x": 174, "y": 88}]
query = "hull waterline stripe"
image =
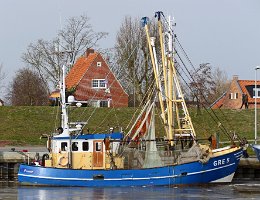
[
  {"x": 118, "y": 179},
  {"x": 209, "y": 170}
]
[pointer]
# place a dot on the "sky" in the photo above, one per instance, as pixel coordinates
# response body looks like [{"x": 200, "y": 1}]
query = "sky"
[{"x": 224, "y": 33}]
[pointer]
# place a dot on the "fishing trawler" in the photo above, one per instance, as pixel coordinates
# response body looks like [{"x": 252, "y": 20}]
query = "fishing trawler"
[{"x": 119, "y": 159}]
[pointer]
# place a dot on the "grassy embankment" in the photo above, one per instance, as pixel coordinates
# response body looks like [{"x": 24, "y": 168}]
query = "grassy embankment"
[{"x": 24, "y": 125}]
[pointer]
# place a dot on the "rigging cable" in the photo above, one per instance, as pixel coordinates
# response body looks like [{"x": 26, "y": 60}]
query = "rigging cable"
[
  {"x": 221, "y": 127},
  {"x": 219, "y": 121},
  {"x": 214, "y": 113},
  {"x": 195, "y": 70}
]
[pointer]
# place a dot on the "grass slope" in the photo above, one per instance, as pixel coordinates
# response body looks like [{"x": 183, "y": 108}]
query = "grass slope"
[{"x": 23, "y": 125}]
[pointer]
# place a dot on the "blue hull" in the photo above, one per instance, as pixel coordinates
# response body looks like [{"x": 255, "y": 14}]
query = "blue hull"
[{"x": 218, "y": 169}]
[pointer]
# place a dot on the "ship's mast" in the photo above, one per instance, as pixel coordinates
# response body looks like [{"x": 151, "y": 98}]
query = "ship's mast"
[
  {"x": 164, "y": 67},
  {"x": 184, "y": 124},
  {"x": 155, "y": 71},
  {"x": 64, "y": 112},
  {"x": 168, "y": 85}
]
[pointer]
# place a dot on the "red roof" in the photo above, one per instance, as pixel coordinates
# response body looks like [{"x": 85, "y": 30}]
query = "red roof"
[
  {"x": 247, "y": 88},
  {"x": 79, "y": 69},
  {"x": 219, "y": 102}
]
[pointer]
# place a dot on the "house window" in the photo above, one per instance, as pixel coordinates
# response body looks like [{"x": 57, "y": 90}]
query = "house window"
[
  {"x": 99, "y": 64},
  {"x": 99, "y": 103},
  {"x": 99, "y": 83},
  {"x": 257, "y": 93},
  {"x": 85, "y": 146},
  {"x": 233, "y": 96},
  {"x": 93, "y": 103},
  {"x": 102, "y": 83},
  {"x": 103, "y": 103},
  {"x": 95, "y": 83}
]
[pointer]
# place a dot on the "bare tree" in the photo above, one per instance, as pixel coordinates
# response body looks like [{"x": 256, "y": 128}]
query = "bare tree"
[
  {"x": 208, "y": 84},
  {"x": 71, "y": 42},
  {"x": 27, "y": 89},
  {"x": 133, "y": 65},
  {"x": 221, "y": 83},
  {"x": 203, "y": 85}
]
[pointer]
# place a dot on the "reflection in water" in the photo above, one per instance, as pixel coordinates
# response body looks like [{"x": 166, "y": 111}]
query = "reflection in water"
[
  {"x": 232, "y": 191},
  {"x": 61, "y": 193}
]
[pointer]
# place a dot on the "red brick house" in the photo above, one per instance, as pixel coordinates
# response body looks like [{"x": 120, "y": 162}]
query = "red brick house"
[
  {"x": 232, "y": 99},
  {"x": 90, "y": 79}
]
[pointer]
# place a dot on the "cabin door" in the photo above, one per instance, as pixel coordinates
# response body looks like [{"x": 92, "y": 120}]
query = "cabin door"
[{"x": 98, "y": 153}]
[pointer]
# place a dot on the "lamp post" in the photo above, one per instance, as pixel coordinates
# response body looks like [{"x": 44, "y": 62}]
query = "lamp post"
[{"x": 256, "y": 96}]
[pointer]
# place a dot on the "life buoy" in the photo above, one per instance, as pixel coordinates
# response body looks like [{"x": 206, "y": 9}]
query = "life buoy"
[{"x": 63, "y": 161}]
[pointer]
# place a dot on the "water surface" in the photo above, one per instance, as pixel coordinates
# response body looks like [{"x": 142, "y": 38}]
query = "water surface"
[{"x": 227, "y": 191}]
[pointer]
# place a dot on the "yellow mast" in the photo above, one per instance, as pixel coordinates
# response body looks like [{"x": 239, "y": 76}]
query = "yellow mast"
[
  {"x": 189, "y": 126},
  {"x": 170, "y": 107},
  {"x": 175, "y": 93},
  {"x": 169, "y": 136},
  {"x": 156, "y": 75}
]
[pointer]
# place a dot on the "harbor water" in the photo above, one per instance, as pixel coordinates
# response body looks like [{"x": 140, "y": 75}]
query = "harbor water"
[{"x": 245, "y": 190}]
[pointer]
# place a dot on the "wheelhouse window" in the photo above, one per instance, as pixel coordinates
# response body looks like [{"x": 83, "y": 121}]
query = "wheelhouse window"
[
  {"x": 64, "y": 146},
  {"x": 74, "y": 146},
  {"x": 99, "y": 83},
  {"x": 85, "y": 146},
  {"x": 98, "y": 146}
]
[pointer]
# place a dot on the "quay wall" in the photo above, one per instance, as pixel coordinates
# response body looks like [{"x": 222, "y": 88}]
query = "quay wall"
[
  {"x": 248, "y": 170},
  {"x": 10, "y": 161}
]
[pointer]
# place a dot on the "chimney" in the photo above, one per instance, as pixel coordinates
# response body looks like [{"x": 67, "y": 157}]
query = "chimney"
[
  {"x": 235, "y": 77},
  {"x": 89, "y": 51}
]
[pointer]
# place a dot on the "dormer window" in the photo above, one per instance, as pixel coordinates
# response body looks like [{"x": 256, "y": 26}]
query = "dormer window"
[
  {"x": 99, "y": 64},
  {"x": 99, "y": 83},
  {"x": 257, "y": 93}
]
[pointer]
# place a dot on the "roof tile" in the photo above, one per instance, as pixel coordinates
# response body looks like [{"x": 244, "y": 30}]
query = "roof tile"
[
  {"x": 245, "y": 84},
  {"x": 79, "y": 69}
]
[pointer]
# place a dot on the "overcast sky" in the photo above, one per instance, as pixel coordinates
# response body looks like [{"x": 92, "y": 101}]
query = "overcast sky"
[{"x": 225, "y": 33}]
